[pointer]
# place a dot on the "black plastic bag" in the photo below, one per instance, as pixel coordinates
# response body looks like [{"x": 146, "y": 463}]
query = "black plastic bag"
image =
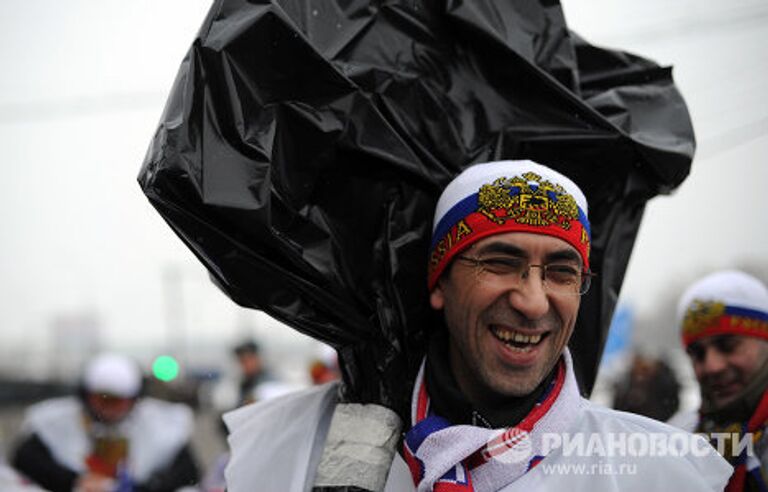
[{"x": 305, "y": 143}]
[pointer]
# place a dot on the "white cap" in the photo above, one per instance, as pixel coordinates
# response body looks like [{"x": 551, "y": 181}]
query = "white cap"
[
  {"x": 729, "y": 287},
  {"x": 113, "y": 374},
  {"x": 474, "y": 177},
  {"x": 722, "y": 303}
]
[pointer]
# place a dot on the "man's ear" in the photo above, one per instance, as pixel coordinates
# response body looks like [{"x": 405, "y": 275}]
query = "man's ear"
[{"x": 437, "y": 297}]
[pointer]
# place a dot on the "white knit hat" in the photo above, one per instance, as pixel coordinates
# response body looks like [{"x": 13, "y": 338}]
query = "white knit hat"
[
  {"x": 506, "y": 196},
  {"x": 113, "y": 374},
  {"x": 726, "y": 302}
]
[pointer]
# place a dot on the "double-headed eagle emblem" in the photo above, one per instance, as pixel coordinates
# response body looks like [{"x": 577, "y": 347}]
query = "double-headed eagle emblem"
[
  {"x": 701, "y": 315},
  {"x": 527, "y": 199}
]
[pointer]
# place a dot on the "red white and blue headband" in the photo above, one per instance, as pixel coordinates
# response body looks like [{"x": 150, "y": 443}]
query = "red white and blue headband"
[
  {"x": 724, "y": 303},
  {"x": 506, "y": 196}
]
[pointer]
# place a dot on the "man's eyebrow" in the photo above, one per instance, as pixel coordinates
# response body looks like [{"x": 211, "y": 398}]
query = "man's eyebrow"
[
  {"x": 567, "y": 255},
  {"x": 502, "y": 248},
  {"x": 695, "y": 350},
  {"x": 695, "y": 346},
  {"x": 723, "y": 337}
]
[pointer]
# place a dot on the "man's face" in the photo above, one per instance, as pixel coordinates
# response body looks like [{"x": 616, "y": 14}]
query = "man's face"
[
  {"x": 250, "y": 363},
  {"x": 109, "y": 409},
  {"x": 484, "y": 318},
  {"x": 725, "y": 364}
]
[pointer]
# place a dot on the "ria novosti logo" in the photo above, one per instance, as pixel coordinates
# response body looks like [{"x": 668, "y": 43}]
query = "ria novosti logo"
[
  {"x": 512, "y": 445},
  {"x": 516, "y": 445}
]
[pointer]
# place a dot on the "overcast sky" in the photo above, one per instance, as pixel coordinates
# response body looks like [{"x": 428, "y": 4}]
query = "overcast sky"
[{"x": 82, "y": 87}]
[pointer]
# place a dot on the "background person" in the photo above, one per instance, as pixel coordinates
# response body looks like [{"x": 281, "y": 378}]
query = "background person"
[
  {"x": 324, "y": 367},
  {"x": 724, "y": 322},
  {"x": 109, "y": 437},
  {"x": 649, "y": 387},
  {"x": 252, "y": 372},
  {"x": 255, "y": 384}
]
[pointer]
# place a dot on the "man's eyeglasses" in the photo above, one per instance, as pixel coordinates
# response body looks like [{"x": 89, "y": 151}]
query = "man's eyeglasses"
[{"x": 558, "y": 278}]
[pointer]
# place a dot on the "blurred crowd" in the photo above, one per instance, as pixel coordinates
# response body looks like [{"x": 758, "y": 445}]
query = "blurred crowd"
[{"x": 121, "y": 430}]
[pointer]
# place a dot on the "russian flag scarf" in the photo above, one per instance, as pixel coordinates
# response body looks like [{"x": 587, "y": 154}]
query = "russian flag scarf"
[
  {"x": 747, "y": 469},
  {"x": 463, "y": 458}
]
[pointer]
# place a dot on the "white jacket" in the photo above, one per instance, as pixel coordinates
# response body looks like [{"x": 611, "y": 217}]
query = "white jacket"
[
  {"x": 156, "y": 431},
  {"x": 276, "y": 446}
]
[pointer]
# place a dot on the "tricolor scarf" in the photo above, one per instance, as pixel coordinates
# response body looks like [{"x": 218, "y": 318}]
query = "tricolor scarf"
[
  {"x": 747, "y": 474},
  {"x": 463, "y": 458}
]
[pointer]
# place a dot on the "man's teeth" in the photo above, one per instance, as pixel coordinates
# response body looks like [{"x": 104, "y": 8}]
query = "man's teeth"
[{"x": 513, "y": 336}]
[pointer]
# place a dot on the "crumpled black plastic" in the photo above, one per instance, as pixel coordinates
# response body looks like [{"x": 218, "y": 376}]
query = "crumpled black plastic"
[{"x": 305, "y": 142}]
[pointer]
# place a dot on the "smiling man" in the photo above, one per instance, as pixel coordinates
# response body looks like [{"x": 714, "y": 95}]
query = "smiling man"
[
  {"x": 508, "y": 266},
  {"x": 496, "y": 397},
  {"x": 509, "y": 262},
  {"x": 506, "y": 343},
  {"x": 724, "y": 320}
]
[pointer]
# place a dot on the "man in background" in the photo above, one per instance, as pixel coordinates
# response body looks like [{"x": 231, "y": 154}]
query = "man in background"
[
  {"x": 252, "y": 373},
  {"x": 108, "y": 437},
  {"x": 648, "y": 388},
  {"x": 724, "y": 322}
]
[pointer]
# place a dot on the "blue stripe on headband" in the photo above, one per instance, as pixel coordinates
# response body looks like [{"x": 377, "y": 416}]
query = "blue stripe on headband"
[
  {"x": 585, "y": 223},
  {"x": 746, "y": 313},
  {"x": 462, "y": 209}
]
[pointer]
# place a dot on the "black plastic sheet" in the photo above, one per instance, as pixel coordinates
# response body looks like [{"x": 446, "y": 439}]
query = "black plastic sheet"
[{"x": 305, "y": 143}]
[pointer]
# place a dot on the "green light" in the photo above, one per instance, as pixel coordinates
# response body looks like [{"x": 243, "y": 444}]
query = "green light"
[{"x": 165, "y": 368}]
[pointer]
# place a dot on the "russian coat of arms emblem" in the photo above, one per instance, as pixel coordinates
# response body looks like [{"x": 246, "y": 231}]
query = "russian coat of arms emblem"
[
  {"x": 701, "y": 315},
  {"x": 529, "y": 200}
]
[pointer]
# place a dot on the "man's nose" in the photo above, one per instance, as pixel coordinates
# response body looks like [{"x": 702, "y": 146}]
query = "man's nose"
[
  {"x": 713, "y": 361},
  {"x": 530, "y": 297}
]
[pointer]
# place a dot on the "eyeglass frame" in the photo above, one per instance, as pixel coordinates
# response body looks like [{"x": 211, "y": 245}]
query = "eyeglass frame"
[{"x": 585, "y": 276}]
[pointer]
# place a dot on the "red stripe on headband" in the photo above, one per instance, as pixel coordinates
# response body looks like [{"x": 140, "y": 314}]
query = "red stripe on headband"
[
  {"x": 725, "y": 325},
  {"x": 478, "y": 225}
]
